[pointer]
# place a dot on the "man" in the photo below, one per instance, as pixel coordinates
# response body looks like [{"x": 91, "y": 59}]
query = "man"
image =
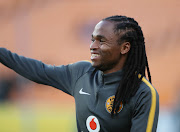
[{"x": 111, "y": 94}]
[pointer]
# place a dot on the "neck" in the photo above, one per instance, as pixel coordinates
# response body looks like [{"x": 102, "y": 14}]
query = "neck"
[{"x": 118, "y": 66}]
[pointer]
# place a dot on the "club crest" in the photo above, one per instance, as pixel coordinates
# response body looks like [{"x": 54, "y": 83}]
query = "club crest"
[{"x": 109, "y": 104}]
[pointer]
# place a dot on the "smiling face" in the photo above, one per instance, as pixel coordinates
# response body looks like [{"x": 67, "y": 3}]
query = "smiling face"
[{"x": 106, "y": 54}]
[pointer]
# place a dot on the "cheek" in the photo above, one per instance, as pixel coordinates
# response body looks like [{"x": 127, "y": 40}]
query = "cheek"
[
  {"x": 105, "y": 50},
  {"x": 110, "y": 52}
]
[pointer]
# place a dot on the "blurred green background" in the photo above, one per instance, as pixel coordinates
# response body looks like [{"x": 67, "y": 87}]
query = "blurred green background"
[{"x": 16, "y": 118}]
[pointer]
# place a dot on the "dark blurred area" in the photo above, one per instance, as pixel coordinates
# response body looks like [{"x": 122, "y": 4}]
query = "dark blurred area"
[{"x": 6, "y": 85}]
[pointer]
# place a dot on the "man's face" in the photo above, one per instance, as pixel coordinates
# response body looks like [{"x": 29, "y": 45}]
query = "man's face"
[{"x": 105, "y": 51}]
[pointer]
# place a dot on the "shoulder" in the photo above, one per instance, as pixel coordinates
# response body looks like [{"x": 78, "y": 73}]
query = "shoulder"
[
  {"x": 147, "y": 87},
  {"x": 146, "y": 92},
  {"x": 81, "y": 67},
  {"x": 84, "y": 63}
]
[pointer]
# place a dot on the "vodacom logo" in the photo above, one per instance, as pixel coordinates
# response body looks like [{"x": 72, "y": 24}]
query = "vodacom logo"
[{"x": 92, "y": 124}]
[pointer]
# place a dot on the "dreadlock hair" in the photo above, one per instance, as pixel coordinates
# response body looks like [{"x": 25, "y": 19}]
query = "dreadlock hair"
[{"x": 136, "y": 62}]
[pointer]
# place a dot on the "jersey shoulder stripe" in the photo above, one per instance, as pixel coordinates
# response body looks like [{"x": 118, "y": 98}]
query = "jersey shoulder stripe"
[{"x": 153, "y": 105}]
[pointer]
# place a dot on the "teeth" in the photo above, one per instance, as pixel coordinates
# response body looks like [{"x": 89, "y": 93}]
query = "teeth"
[{"x": 94, "y": 55}]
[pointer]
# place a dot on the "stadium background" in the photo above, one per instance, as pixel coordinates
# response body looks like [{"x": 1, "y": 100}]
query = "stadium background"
[{"x": 59, "y": 32}]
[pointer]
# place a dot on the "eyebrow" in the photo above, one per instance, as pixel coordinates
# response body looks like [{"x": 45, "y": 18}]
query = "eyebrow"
[{"x": 98, "y": 36}]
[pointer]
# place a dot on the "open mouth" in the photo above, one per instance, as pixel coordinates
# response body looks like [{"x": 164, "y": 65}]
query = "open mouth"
[{"x": 94, "y": 56}]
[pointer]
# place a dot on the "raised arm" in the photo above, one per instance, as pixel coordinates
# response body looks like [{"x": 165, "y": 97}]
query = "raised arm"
[{"x": 61, "y": 77}]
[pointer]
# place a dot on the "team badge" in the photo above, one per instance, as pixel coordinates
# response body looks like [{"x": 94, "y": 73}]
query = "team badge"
[
  {"x": 92, "y": 124},
  {"x": 109, "y": 104}
]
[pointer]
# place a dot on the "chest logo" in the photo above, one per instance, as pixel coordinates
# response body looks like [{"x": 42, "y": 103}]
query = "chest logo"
[
  {"x": 82, "y": 92},
  {"x": 92, "y": 124},
  {"x": 109, "y": 104}
]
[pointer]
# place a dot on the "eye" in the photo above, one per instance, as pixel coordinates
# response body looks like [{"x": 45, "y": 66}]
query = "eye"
[
  {"x": 101, "y": 40},
  {"x": 92, "y": 40}
]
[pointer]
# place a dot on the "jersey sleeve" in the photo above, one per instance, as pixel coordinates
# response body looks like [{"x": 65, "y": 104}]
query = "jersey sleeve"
[
  {"x": 146, "y": 110},
  {"x": 62, "y": 77}
]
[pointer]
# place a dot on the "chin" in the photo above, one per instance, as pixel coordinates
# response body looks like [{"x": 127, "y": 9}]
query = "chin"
[
  {"x": 98, "y": 67},
  {"x": 95, "y": 65}
]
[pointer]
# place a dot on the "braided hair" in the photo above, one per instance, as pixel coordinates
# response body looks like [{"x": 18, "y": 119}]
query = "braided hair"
[{"x": 136, "y": 63}]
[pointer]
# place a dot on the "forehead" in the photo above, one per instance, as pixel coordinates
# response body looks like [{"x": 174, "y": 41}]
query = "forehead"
[{"x": 104, "y": 28}]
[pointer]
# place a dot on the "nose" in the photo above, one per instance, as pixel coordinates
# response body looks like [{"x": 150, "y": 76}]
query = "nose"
[{"x": 94, "y": 45}]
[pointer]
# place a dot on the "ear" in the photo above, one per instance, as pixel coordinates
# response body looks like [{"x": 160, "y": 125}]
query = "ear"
[{"x": 125, "y": 47}]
